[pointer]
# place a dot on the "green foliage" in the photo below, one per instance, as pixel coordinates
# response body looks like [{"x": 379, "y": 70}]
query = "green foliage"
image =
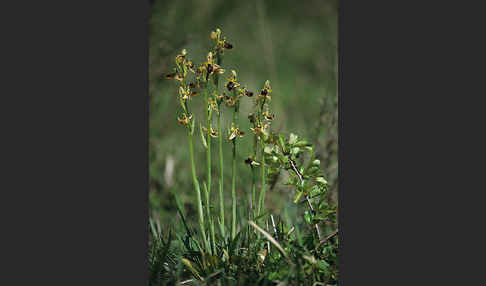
[
  {"x": 293, "y": 45},
  {"x": 261, "y": 249},
  {"x": 161, "y": 259}
]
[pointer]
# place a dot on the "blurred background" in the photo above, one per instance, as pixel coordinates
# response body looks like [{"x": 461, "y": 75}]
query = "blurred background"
[{"x": 291, "y": 43}]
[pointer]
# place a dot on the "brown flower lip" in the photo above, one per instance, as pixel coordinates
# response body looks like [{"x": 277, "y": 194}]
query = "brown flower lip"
[
  {"x": 251, "y": 162},
  {"x": 269, "y": 116},
  {"x": 228, "y": 46},
  {"x": 248, "y": 93},
  {"x": 230, "y": 85},
  {"x": 235, "y": 132},
  {"x": 251, "y": 117},
  {"x": 184, "y": 120},
  {"x": 264, "y": 92},
  {"x": 171, "y": 75}
]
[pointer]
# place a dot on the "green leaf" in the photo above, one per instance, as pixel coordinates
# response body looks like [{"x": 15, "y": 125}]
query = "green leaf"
[
  {"x": 302, "y": 143},
  {"x": 266, "y": 213},
  {"x": 226, "y": 257},
  {"x": 272, "y": 275},
  {"x": 307, "y": 217},
  {"x": 321, "y": 180},
  {"x": 312, "y": 171},
  {"x": 192, "y": 126},
  {"x": 314, "y": 191},
  {"x": 295, "y": 151},
  {"x": 179, "y": 209},
  {"x": 203, "y": 138},
  {"x": 293, "y": 139},
  {"x": 323, "y": 265},
  {"x": 282, "y": 141},
  {"x": 297, "y": 197},
  {"x": 152, "y": 228},
  {"x": 191, "y": 268},
  {"x": 182, "y": 104},
  {"x": 233, "y": 249},
  {"x": 268, "y": 149}
]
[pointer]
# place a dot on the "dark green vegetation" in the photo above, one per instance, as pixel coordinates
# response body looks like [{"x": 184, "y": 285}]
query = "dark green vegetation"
[{"x": 292, "y": 216}]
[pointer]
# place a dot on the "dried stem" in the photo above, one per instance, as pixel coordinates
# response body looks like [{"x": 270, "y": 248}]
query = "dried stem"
[
  {"x": 309, "y": 203},
  {"x": 327, "y": 238}
]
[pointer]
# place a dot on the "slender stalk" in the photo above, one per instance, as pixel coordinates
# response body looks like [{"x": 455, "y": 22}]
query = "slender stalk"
[
  {"x": 208, "y": 152},
  {"x": 219, "y": 59},
  {"x": 250, "y": 197},
  {"x": 221, "y": 198},
  {"x": 213, "y": 240},
  {"x": 233, "y": 175},
  {"x": 250, "y": 200},
  {"x": 209, "y": 217},
  {"x": 208, "y": 160},
  {"x": 194, "y": 177},
  {"x": 254, "y": 174},
  {"x": 253, "y": 206},
  {"x": 198, "y": 191},
  {"x": 262, "y": 192}
]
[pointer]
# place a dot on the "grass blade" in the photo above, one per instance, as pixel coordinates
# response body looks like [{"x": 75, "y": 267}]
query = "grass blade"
[
  {"x": 179, "y": 210},
  {"x": 191, "y": 268},
  {"x": 270, "y": 238}
]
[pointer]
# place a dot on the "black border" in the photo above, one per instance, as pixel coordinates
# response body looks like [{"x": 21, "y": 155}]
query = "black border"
[
  {"x": 340, "y": 146},
  {"x": 76, "y": 154}
]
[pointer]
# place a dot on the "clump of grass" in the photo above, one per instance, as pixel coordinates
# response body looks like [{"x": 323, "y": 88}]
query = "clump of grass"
[{"x": 292, "y": 252}]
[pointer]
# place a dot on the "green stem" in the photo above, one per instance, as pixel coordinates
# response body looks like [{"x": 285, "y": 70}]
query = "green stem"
[
  {"x": 221, "y": 198},
  {"x": 262, "y": 159},
  {"x": 208, "y": 157},
  {"x": 213, "y": 240},
  {"x": 219, "y": 60},
  {"x": 254, "y": 174},
  {"x": 198, "y": 191},
  {"x": 262, "y": 192},
  {"x": 233, "y": 175},
  {"x": 233, "y": 193},
  {"x": 206, "y": 193},
  {"x": 208, "y": 160},
  {"x": 253, "y": 190},
  {"x": 208, "y": 149}
]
